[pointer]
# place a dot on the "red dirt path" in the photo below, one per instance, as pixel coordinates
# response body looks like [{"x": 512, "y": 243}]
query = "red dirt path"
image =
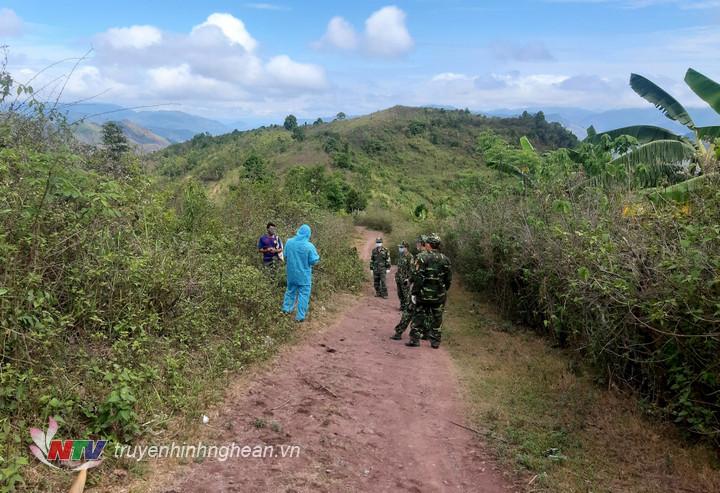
[{"x": 369, "y": 414}]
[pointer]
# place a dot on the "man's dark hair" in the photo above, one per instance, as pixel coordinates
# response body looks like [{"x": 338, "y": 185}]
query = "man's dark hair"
[{"x": 270, "y": 224}]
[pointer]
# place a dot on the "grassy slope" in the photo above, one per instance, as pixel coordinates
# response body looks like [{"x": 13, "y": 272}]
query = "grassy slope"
[
  {"x": 527, "y": 398},
  {"x": 402, "y": 156}
]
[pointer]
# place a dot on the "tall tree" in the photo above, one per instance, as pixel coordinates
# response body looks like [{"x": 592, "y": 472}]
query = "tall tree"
[
  {"x": 114, "y": 140},
  {"x": 290, "y": 122}
]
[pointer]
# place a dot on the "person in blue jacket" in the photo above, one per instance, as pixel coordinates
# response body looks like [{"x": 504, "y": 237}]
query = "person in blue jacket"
[{"x": 300, "y": 256}]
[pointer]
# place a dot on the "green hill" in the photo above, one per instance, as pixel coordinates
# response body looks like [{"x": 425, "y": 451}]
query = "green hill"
[{"x": 399, "y": 157}]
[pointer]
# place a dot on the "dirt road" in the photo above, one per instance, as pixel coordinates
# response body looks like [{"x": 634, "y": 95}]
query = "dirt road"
[{"x": 368, "y": 414}]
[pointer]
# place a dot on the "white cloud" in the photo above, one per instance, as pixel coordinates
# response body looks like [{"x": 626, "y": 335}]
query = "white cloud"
[
  {"x": 339, "y": 34},
  {"x": 231, "y": 27},
  {"x": 449, "y": 77},
  {"x": 463, "y": 83},
  {"x": 586, "y": 83},
  {"x": 289, "y": 73},
  {"x": 386, "y": 33},
  {"x": 180, "y": 81},
  {"x": 218, "y": 53},
  {"x": 10, "y": 23},
  {"x": 137, "y": 37},
  {"x": 89, "y": 80},
  {"x": 214, "y": 66},
  {"x": 514, "y": 89}
]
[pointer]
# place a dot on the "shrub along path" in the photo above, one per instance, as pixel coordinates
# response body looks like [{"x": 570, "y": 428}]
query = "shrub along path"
[{"x": 368, "y": 413}]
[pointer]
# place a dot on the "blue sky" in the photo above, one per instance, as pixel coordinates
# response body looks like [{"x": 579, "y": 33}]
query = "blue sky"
[{"x": 235, "y": 60}]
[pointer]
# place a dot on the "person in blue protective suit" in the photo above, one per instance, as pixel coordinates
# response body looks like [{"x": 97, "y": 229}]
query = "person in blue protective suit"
[{"x": 300, "y": 256}]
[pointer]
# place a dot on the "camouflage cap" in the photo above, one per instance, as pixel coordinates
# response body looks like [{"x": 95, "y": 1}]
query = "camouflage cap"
[
  {"x": 404, "y": 244},
  {"x": 421, "y": 239},
  {"x": 378, "y": 240},
  {"x": 433, "y": 239}
]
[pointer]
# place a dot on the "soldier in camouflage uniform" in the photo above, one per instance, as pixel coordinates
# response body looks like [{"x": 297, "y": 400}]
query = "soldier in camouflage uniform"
[
  {"x": 409, "y": 307},
  {"x": 403, "y": 273},
  {"x": 380, "y": 266},
  {"x": 431, "y": 283}
]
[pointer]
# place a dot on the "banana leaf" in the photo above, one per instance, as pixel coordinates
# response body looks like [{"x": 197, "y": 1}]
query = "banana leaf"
[
  {"x": 658, "y": 152},
  {"x": 661, "y": 99},
  {"x": 706, "y": 88},
  {"x": 575, "y": 156},
  {"x": 526, "y": 144},
  {"x": 679, "y": 192},
  {"x": 708, "y": 133},
  {"x": 643, "y": 133}
]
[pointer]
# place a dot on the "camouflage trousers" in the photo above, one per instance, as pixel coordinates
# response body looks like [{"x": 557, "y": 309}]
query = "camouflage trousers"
[
  {"x": 379, "y": 282},
  {"x": 403, "y": 291},
  {"x": 406, "y": 318},
  {"x": 427, "y": 321}
]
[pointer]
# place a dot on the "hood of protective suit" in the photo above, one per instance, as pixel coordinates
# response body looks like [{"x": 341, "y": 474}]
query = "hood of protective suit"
[
  {"x": 304, "y": 232},
  {"x": 300, "y": 256}
]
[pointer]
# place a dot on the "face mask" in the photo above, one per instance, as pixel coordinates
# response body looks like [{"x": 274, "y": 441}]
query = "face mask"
[
  {"x": 378, "y": 245},
  {"x": 402, "y": 249}
]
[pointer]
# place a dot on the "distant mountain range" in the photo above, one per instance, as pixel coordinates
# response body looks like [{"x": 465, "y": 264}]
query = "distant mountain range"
[
  {"x": 145, "y": 140},
  {"x": 173, "y": 125},
  {"x": 150, "y": 130},
  {"x": 153, "y": 130}
]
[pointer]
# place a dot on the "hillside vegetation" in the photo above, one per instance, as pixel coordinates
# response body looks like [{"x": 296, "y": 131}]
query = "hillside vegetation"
[
  {"x": 400, "y": 158},
  {"x": 125, "y": 303}
]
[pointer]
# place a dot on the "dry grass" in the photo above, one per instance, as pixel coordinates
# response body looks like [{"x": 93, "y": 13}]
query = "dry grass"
[
  {"x": 308, "y": 154},
  {"x": 547, "y": 418}
]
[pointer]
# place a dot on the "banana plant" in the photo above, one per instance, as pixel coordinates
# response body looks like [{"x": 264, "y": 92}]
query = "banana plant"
[
  {"x": 706, "y": 89},
  {"x": 709, "y": 91},
  {"x": 658, "y": 147}
]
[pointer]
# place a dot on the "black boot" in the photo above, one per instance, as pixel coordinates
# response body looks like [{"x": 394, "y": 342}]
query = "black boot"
[
  {"x": 435, "y": 344},
  {"x": 396, "y": 337},
  {"x": 413, "y": 343}
]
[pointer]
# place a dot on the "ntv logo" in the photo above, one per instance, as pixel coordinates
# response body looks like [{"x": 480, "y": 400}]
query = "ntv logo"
[{"x": 70, "y": 453}]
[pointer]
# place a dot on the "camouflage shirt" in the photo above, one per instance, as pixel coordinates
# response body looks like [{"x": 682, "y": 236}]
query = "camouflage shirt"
[
  {"x": 431, "y": 278},
  {"x": 380, "y": 259},
  {"x": 404, "y": 267}
]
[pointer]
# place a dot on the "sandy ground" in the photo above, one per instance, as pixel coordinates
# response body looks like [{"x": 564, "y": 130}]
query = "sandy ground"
[{"x": 368, "y": 413}]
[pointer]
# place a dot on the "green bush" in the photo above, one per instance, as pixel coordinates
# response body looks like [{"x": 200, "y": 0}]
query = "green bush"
[
  {"x": 124, "y": 302},
  {"x": 328, "y": 190},
  {"x": 377, "y": 219},
  {"x": 633, "y": 286}
]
